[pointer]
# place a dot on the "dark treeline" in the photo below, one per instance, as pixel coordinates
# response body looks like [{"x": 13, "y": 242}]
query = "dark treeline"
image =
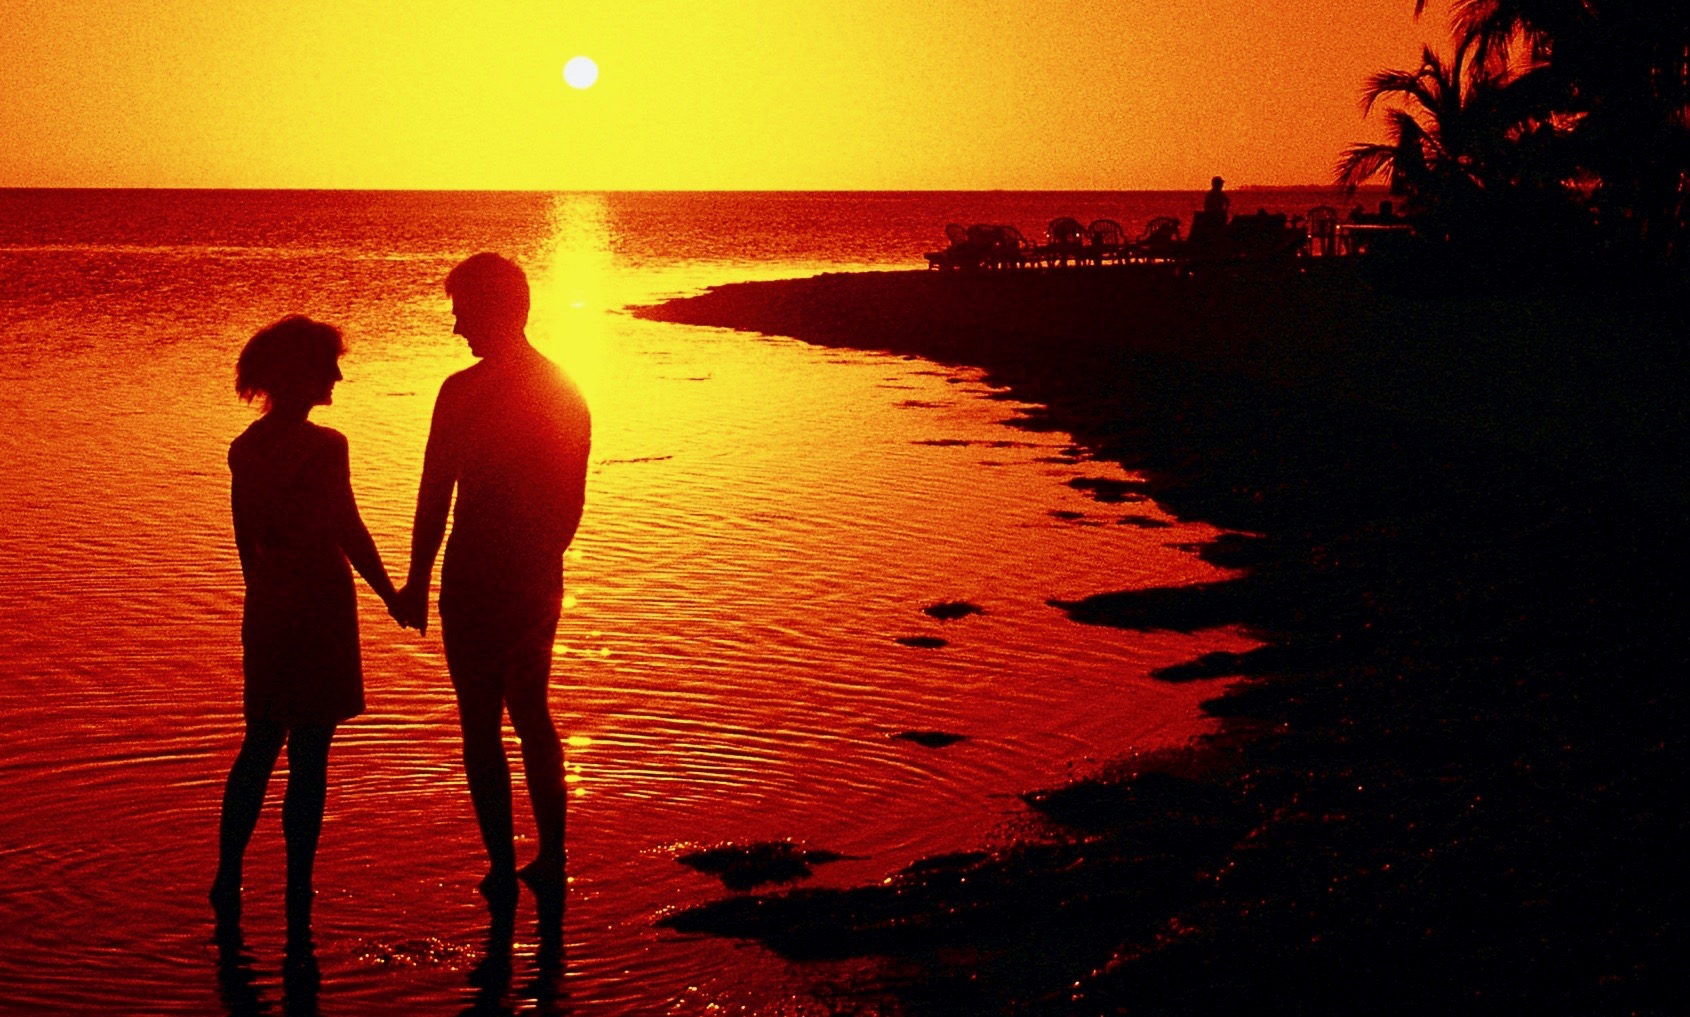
[{"x": 1558, "y": 132}]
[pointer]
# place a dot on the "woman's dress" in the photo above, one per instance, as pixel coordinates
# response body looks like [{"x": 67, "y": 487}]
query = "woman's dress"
[{"x": 292, "y": 499}]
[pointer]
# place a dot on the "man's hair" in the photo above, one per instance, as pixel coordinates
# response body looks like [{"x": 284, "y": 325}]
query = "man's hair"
[
  {"x": 287, "y": 358},
  {"x": 492, "y": 284}
]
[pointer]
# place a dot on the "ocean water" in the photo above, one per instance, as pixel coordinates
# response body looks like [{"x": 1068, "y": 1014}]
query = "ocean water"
[{"x": 765, "y": 518}]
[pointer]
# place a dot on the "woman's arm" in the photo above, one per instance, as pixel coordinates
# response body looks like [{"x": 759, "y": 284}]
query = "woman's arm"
[
  {"x": 352, "y": 534},
  {"x": 239, "y": 509}
]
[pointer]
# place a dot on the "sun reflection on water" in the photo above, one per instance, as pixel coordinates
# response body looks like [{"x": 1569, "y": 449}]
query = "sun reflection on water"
[{"x": 572, "y": 292}]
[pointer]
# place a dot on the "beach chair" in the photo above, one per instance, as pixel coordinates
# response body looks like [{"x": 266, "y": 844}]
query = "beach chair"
[
  {"x": 985, "y": 246},
  {"x": 953, "y": 256},
  {"x": 1322, "y": 225},
  {"x": 1108, "y": 241},
  {"x": 1067, "y": 242},
  {"x": 1160, "y": 241},
  {"x": 1012, "y": 249},
  {"x": 1263, "y": 236}
]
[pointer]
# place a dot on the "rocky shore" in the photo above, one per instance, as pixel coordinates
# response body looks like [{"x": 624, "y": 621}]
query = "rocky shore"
[{"x": 1451, "y": 780}]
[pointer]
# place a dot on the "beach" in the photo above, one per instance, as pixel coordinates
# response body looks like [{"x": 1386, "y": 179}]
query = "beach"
[
  {"x": 1060, "y": 508},
  {"x": 1449, "y": 781}
]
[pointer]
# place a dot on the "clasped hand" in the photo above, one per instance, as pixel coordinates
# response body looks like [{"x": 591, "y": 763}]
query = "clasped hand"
[{"x": 409, "y": 607}]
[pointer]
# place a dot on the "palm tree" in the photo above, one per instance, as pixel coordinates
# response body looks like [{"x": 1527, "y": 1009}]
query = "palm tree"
[
  {"x": 1615, "y": 75},
  {"x": 1454, "y": 137}
]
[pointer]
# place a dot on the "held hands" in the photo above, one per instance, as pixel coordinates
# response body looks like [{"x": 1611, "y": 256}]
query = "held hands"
[{"x": 409, "y": 607}]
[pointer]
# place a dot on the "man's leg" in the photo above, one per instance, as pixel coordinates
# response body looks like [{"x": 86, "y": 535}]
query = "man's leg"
[
  {"x": 480, "y": 715},
  {"x": 526, "y": 686}
]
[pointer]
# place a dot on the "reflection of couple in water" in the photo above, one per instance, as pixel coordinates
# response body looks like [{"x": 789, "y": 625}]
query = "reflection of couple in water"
[{"x": 510, "y": 435}]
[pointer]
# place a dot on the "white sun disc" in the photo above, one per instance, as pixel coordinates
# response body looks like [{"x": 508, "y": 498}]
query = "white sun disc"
[{"x": 581, "y": 72}]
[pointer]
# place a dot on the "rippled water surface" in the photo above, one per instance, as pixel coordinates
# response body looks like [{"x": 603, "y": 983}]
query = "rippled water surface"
[{"x": 765, "y": 519}]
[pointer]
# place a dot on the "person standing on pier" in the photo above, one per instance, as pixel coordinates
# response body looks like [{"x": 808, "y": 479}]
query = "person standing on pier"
[
  {"x": 1208, "y": 226},
  {"x": 510, "y": 435},
  {"x": 1216, "y": 204}
]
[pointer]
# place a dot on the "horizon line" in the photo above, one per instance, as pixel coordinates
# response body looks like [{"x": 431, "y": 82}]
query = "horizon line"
[{"x": 683, "y": 190}]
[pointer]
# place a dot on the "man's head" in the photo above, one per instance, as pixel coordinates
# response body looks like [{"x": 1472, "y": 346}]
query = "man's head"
[
  {"x": 1216, "y": 183},
  {"x": 490, "y": 302}
]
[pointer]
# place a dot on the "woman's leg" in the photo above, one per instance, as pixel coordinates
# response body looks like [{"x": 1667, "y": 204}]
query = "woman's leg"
[
  {"x": 243, "y": 799},
  {"x": 302, "y": 815}
]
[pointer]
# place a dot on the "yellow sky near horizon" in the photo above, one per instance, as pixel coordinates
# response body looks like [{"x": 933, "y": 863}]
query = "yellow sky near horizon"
[{"x": 730, "y": 94}]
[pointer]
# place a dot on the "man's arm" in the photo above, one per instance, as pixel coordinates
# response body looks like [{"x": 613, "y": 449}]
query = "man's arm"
[
  {"x": 577, "y": 445},
  {"x": 434, "y": 503}
]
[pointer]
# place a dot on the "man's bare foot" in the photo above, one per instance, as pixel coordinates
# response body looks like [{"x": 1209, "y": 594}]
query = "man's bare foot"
[
  {"x": 499, "y": 885},
  {"x": 299, "y": 899}
]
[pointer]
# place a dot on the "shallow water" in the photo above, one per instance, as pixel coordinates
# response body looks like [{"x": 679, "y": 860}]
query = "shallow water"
[{"x": 765, "y": 519}]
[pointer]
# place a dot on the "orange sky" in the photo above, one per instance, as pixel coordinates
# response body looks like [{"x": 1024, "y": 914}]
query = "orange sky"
[{"x": 729, "y": 94}]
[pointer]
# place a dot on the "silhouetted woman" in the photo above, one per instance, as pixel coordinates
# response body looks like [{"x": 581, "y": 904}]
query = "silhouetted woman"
[{"x": 296, "y": 526}]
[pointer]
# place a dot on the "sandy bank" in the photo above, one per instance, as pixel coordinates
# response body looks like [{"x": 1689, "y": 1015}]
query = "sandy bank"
[
  {"x": 1452, "y": 780},
  {"x": 1589, "y": 384}
]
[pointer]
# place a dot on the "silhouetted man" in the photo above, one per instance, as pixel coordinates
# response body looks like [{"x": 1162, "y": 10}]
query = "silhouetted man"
[
  {"x": 1215, "y": 203},
  {"x": 1208, "y": 227},
  {"x": 511, "y": 434}
]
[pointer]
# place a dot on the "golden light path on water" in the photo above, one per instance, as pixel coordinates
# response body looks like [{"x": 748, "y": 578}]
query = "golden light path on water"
[{"x": 764, "y": 519}]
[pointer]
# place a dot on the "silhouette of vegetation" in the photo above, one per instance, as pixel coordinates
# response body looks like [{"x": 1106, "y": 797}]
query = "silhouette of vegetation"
[{"x": 1558, "y": 129}]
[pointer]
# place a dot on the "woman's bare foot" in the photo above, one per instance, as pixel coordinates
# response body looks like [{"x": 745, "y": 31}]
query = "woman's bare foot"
[
  {"x": 225, "y": 897},
  {"x": 544, "y": 871}
]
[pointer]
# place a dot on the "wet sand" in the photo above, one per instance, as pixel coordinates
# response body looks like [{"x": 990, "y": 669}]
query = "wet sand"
[{"x": 1451, "y": 780}]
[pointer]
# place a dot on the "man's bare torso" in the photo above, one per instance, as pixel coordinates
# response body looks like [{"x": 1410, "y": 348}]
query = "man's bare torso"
[{"x": 515, "y": 432}]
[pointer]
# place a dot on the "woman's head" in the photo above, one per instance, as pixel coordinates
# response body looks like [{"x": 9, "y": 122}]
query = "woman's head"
[{"x": 293, "y": 363}]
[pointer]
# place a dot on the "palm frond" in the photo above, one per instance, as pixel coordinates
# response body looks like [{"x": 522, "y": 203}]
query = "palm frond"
[
  {"x": 1408, "y": 133},
  {"x": 1386, "y": 83},
  {"x": 1361, "y": 163}
]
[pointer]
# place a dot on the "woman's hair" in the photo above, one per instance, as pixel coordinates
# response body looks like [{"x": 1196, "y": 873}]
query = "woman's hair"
[{"x": 287, "y": 360}]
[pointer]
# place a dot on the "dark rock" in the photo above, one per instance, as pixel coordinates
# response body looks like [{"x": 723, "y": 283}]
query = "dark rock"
[
  {"x": 930, "y": 739},
  {"x": 742, "y": 867},
  {"x": 951, "y": 610},
  {"x": 1111, "y": 491},
  {"x": 1144, "y": 522}
]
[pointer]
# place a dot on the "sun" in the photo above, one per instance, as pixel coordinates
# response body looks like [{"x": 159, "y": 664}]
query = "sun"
[{"x": 581, "y": 72}]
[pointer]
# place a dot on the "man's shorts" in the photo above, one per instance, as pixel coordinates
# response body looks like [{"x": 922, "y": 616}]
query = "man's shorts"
[{"x": 502, "y": 650}]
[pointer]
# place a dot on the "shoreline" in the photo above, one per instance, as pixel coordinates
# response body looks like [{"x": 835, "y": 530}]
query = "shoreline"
[{"x": 1448, "y": 780}]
